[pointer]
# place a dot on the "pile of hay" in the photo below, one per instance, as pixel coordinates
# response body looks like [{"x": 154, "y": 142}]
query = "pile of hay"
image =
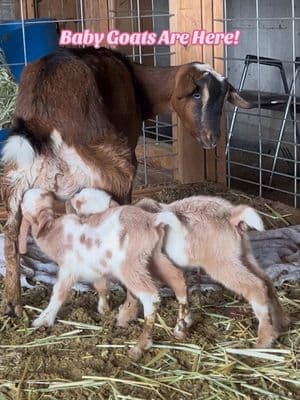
[{"x": 8, "y": 93}]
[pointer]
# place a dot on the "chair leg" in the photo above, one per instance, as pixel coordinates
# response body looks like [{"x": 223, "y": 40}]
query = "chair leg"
[{"x": 282, "y": 127}]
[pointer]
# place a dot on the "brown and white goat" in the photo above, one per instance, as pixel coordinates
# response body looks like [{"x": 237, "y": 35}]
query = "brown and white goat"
[
  {"x": 210, "y": 233},
  {"x": 90, "y": 201},
  {"x": 120, "y": 242},
  {"x": 77, "y": 121}
]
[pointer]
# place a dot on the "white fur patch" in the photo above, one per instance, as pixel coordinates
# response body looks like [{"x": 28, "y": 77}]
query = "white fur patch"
[
  {"x": 252, "y": 219},
  {"x": 258, "y": 308},
  {"x": 175, "y": 243},
  {"x": 208, "y": 68},
  {"x": 91, "y": 201},
  {"x": 148, "y": 302},
  {"x": 30, "y": 199},
  {"x": 18, "y": 149},
  {"x": 56, "y": 139}
]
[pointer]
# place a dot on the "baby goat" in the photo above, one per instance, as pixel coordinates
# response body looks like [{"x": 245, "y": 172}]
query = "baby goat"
[
  {"x": 92, "y": 248},
  {"x": 210, "y": 232},
  {"x": 91, "y": 201}
]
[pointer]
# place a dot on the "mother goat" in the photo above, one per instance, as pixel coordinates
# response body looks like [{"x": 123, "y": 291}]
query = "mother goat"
[{"x": 77, "y": 121}]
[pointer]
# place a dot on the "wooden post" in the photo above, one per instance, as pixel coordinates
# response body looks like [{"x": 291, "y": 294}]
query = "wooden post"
[
  {"x": 96, "y": 9},
  {"x": 193, "y": 163}
]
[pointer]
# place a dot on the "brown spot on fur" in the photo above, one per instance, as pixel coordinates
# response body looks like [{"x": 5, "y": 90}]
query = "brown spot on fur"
[
  {"x": 108, "y": 254},
  {"x": 88, "y": 242},
  {"x": 78, "y": 204},
  {"x": 82, "y": 238}
]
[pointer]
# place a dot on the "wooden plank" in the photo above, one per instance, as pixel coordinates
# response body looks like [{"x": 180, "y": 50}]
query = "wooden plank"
[
  {"x": 28, "y": 9},
  {"x": 97, "y": 9},
  {"x": 207, "y": 24},
  {"x": 190, "y": 162},
  {"x": 218, "y": 26}
]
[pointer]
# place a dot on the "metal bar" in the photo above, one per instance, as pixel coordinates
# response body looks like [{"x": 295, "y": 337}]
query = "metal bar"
[{"x": 282, "y": 127}]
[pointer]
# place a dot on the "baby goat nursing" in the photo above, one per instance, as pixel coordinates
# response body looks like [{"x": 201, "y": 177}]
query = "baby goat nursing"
[{"x": 119, "y": 242}]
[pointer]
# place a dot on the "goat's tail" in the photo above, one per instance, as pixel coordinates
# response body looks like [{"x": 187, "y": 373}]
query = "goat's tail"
[
  {"x": 247, "y": 215},
  {"x": 22, "y": 145},
  {"x": 167, "y": 218}
]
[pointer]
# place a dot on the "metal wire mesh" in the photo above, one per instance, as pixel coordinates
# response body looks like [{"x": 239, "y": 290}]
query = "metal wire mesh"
[{"x": 263, "y": 146}]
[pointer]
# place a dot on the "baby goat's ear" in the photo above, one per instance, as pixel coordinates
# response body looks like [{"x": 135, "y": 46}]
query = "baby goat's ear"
[
  {"x": 45, "y": 221},
  {"x": 22, "y": 239}
]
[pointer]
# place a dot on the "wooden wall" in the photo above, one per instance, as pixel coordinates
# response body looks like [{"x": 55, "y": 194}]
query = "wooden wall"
[{"x": 193, "y": 163}]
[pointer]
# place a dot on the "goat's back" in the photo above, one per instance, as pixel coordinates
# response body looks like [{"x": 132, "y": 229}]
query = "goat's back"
[{"x": 82, "y": 93}]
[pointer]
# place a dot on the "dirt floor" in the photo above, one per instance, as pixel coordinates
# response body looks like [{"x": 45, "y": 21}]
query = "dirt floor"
[{"x": 85, "y": 357}]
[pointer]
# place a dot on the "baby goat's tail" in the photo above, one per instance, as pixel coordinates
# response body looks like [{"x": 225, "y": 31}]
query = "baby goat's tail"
[{"x": 246, "y": 215}]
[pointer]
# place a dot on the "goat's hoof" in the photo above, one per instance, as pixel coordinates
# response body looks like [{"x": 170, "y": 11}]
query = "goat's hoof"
[
  {"x": 105, "y": 309},
  {"x": 180, "y": 330},
  {"x": 135, "y": 353},
  {"x": 42, "y": 321},
  {"x": 188, "y": 320},
  {"x": 265, "y": 343},
  {"x": 12, "y": 310},
  {"x": 122, "y": 322}
]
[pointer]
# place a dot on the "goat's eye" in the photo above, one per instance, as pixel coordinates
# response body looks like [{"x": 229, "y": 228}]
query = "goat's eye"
[{"x": 196, "y": 95}]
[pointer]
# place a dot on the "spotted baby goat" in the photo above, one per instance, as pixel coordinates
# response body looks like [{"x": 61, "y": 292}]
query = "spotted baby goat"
[
  {"x": 91, "y": 248},
  {"x": 209, "y": 232},
  {"x": 91, "y": 201}
]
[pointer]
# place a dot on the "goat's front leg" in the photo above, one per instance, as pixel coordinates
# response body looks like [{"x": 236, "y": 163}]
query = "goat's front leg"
[
  {"x": 59, "y": 294},
  {"x": 13, "y": 189},
  {"x": 12, "y": 298}
]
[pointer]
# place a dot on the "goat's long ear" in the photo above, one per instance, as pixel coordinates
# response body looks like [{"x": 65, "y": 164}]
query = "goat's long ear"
[
  {"x": 234, "y": 98},
  {"x": 45, "y": 221},
  {"x": 22, "y": 239}
]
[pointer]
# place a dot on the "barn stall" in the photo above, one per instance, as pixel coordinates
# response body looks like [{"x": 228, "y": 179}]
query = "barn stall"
[{"x": 255, "y": 162}]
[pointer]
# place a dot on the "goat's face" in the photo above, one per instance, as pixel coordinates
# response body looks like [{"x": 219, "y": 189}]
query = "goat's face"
[{"x": 198, "y": 99}]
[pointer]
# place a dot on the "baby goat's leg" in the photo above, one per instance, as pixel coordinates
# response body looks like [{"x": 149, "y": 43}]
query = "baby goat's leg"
[
  {"x": 128, "y": 311},
  {"x": 280, "y": 319},
  {"x": 103, "y": 303},
  {"x": 237, "y": 277},
  {"x": 139, "y": 282},
  {"x": 59, "y": 294},
  {"x": 163, "y": 269}
]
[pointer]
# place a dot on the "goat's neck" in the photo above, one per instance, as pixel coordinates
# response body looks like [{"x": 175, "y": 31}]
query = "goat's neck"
[{"x": 157, "y": 86}]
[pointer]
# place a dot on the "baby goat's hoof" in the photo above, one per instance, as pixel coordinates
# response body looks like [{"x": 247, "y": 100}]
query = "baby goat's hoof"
[
  {"x": 42, "y": 321},
  {"x": 11, "y": 310},
  {"x": 127, "y": 313},
  {"x": 135, "y": 353},
  {"x": 180, "y": 330}
]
